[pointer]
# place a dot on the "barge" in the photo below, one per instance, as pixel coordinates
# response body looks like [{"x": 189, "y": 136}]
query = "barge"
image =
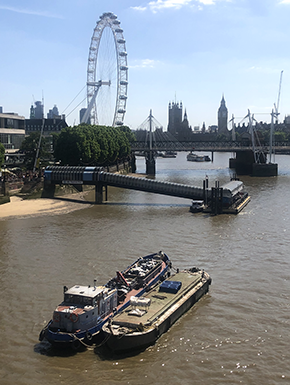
[
  {"x": 148, "y": 317},
  {"x": 84, "y": 310}
]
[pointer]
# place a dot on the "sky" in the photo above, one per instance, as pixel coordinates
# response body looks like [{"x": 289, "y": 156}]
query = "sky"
[{"x": 189, "y": 51}]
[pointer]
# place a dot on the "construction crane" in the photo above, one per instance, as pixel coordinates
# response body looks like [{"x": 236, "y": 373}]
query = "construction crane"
[
  {"x": 274, "y": 114},
  {"x": 276, "y": 107}
]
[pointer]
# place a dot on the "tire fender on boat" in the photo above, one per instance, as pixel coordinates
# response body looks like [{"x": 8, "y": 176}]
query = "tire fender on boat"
[
  {"x": 42, "y": 335},
  {"x": 74, "y": 317},
  {"x": 89, "y": 336},
  {"x": 76, "y": 344}
]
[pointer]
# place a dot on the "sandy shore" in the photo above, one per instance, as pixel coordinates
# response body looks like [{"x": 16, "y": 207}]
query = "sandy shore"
[{"x": 18, "y": 207}]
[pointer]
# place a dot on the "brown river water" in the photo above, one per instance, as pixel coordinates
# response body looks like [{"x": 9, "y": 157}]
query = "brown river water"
[{"x": 237, "y": 334}]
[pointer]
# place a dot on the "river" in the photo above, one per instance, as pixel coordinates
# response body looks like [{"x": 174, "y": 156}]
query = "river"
[{"x": 237, "y": 334}]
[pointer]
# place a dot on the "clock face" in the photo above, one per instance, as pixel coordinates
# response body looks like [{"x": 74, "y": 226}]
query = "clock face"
[{"x": 224, "y": 114}]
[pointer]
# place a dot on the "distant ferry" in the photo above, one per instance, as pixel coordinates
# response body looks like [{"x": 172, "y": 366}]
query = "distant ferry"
[
  {"x": 169, "y": 154},
  {"x": 197, "y": 158}
]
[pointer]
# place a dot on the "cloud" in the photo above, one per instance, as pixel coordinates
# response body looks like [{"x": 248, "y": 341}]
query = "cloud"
[
  {"x": 158, "y": 5},
  {"x": 145, "y": 63},
  {"x": 30, "y": 12},
  {"x": 284, "y": 2},
  {"x": 263, "y": 70},
  {"x": 139, "y": 8},
  {"x": 161, "y": 4}
]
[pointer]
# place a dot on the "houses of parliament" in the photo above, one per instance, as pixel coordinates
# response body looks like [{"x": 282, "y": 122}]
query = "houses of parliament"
[{"x": 178, "y": 124}]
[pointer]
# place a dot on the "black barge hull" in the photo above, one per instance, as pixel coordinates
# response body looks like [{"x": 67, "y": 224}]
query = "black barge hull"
[{"x": 148, "y": 335}]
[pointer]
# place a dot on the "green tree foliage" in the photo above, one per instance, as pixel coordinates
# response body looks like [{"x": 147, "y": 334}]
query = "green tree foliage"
[
  {"x": 29, "y": 147},
  {"x": 2, "y": 153},
  {"x": 280, "y": 136},
  {"x": 129, "y": 134},
  {"x": 91, "y": 145}
]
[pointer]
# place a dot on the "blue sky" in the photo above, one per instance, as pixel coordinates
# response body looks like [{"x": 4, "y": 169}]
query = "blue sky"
[{"x": 192, "y": 51}]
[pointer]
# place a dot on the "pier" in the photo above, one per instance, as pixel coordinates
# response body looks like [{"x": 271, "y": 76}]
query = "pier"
[{"x": 216, "y": 198}]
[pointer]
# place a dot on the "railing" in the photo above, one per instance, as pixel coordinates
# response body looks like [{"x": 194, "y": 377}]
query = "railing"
[{"x": 222, "y": 146}]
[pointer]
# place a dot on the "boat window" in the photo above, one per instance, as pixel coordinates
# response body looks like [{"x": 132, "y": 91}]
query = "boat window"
[{"x": 77, "y": 299}]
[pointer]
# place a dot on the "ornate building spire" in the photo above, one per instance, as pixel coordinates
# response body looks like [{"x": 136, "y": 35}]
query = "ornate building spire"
[{"x": 223, "y": 117}]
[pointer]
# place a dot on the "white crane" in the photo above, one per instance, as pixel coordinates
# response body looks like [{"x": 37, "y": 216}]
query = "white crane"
[{"x": 275, "y": 114}]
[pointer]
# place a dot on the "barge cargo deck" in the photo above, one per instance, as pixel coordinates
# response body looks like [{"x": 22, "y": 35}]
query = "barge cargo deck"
[{"x": 148, "y": 318}]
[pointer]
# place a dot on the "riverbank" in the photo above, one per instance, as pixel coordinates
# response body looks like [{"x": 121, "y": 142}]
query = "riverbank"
[
  {"x": 31, "y": 203},
  {"x": 19, "y": 207}
]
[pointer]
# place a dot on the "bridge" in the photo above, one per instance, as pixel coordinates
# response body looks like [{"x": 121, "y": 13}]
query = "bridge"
[
  {"x": 79, "y": 176},
  {"x": 251, "y": 155},
  {"x": 164, "y": 141}
]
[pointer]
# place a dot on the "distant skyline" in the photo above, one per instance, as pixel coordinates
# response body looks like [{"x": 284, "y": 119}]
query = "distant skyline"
[{"x": 194, "y": 51}]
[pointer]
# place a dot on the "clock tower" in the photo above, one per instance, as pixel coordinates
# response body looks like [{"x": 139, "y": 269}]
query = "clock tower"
[{"x": 223, "y": 118}]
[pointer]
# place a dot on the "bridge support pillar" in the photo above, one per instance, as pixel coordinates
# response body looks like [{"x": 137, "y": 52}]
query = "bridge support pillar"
[
  {"x": 150, "y": 166},
  {"x": 99, "y": 190},
  {"x": 133, "y": 163},
  {"x": 150, "y": 163}
]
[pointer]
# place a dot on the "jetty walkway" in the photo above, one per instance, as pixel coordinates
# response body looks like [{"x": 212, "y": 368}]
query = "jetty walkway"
[{"x": 79, "y": 176}]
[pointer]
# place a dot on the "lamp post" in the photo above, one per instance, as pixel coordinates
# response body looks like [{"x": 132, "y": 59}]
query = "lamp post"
[{"x": 4, "y": 180}]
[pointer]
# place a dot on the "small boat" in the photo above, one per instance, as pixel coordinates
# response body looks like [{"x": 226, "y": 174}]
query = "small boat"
[
  {"x": 148, "y": 317},
  {"x": 192, "y": 157},
  {"x": 169, "y": 154},
  {"x": 197, "y": 206},
  {"x": 85, "y": 309}
]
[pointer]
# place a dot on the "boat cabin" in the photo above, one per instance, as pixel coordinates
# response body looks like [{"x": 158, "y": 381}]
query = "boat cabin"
[
  {"x": 232, "y": 191},
  {"x": 83, "y": 306}
]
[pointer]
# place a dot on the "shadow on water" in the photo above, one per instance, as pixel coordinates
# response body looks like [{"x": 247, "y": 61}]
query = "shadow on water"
[
  {"x": 107, "y": 355},
  {"x": 86, "y": 202},
  {"x": 46, "y": 349},
  {"x": 146, "y": 204}
]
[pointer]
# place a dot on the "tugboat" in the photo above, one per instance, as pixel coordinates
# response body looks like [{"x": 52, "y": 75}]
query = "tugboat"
[
  {"x": 148, "y": 317},
  {"x": 85, "y": 309}
]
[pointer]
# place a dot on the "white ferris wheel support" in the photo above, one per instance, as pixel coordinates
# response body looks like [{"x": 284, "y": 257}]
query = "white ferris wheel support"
[{"x": 107, "y": 74}]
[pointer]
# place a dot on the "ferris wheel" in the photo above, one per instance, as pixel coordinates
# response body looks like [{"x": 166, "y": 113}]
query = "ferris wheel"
[{"x": 107, "y": 74}]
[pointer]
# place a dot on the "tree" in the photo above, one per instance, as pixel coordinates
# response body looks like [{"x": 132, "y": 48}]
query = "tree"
[
  {"x": 76, "y": 145},
  {"x": 2, "y": 154},
  {"x": 280, "y": 136},
  {"x": 91, "y": 145},
  {"x": 29, "y": 147},
  {"x": 129, "y": 134}
]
